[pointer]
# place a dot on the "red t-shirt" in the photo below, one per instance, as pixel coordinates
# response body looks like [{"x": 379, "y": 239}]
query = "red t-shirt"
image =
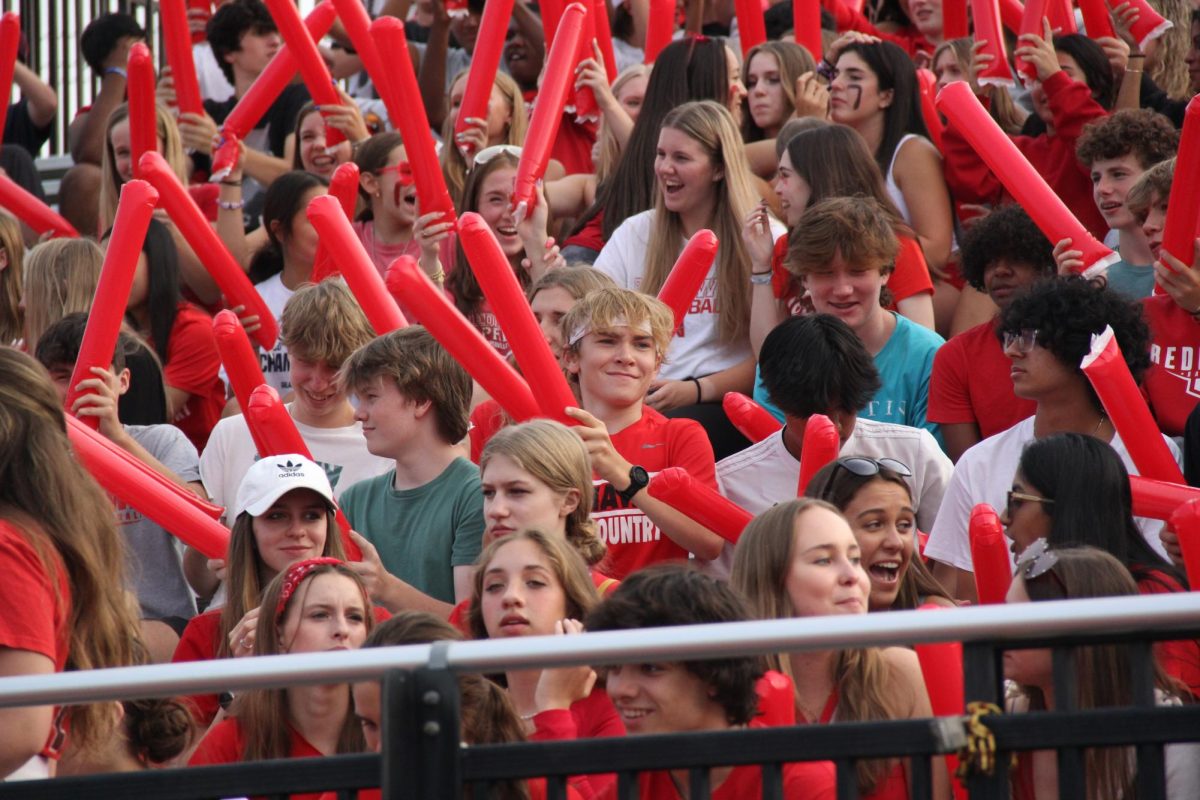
[
  {"x": 591, "y": 235},
  {"x": 655, "y": 443},
  {"x": 573, "y": 145},
  {"x": 972, "y": 382},
  {"x": 1172, "y": 383},
  {"x": 226, "y": 742},
  {"x": 1180, "y": 658},
  {"x": 536, "y": 786},
  {"x": 804, "y": 781},
  {"x": 593, "y": 717},
  {"x": 192, "y": 366},
  {"x": 486, "y": 419}
]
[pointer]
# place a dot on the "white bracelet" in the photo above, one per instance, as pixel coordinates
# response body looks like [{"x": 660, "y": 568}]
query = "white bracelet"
[{"x": 760, "y": 278}]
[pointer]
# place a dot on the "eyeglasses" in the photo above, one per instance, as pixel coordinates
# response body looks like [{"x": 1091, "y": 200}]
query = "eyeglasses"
[
  {"x": 1022, "y": 341},
  {"x": 865, "y": 467},
  {"x": 403, "y": 170},
  {"x": 1017, "y": 499},
  {"x": 488, "y": 153}
]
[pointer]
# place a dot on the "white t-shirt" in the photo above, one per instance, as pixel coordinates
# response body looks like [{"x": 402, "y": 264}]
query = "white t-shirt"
[
  {"x": 698, "y": 350},
  {"x": 276, "y": 367},
  {"x": 984, "y": 475},
  {"x": 213, "y": 83},
  {"x": 341, "y": 452}
]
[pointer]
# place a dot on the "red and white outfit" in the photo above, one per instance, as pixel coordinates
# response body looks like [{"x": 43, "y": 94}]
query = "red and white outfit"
[
  {"x": 193, "y": 365},
  {"x": 1172, "y": 384},
  {"x": 972, "y": 382}
]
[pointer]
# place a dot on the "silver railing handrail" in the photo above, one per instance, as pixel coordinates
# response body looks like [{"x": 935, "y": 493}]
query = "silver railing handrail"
[{"x": 1111, "y": 615}]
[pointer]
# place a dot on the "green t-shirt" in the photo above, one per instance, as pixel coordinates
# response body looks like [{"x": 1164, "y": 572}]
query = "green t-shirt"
[{"x": 422, "y": 534}]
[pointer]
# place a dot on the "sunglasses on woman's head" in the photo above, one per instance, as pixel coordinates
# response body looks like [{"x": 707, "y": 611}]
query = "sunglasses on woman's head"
[{"x": 865, "y": 467}]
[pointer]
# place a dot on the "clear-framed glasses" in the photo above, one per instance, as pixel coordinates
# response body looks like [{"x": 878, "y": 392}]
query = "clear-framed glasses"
[
  {"x": 1023, "y": 341},
  {"x": 1017, "y": 499}
]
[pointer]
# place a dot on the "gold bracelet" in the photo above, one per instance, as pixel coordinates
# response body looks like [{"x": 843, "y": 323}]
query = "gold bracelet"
[
  {"x": 439, "y": 276},
  {"x": 1132, "y": 71}
]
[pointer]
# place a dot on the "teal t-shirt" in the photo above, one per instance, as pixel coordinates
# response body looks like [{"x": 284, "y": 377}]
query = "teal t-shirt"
[
  {"x": 422, "y": 534},
  {"x": 1131, "y": 281}
]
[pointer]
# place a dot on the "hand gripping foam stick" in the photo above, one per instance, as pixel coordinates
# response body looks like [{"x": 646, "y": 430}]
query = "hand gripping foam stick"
[
  {"x": 344, "y": 186},
  {"x": 1185, "y": 521},
  {"x": 10, "y": 43},
  {"x": 752, "y": 420},
  {"x": 32, "y": 211},
  {"x": 308, "y": 58},
  {"x": 484, "y": 63},
  {"x": 1105, "y": 368},
  {"x": 990, "y": 556},
  {"x": 660, "y": 28},
  {"x": 1158, "y": 499},
  {"x": 806, "y": 25},
  {"x": 408, "y": 284},
  {"x": 177, "y": 40},
  {"x": 272, "y": 426},
  {"x": 821, "y": 446},
  {"x": 1022, "y": 181},
  {"x": 987, "y": 26},
  {"x": 687, "y": 276},
  {"x": 238, "y": 356},
  {"x": 143, "y": 120},
  {"x": 752, "y": 27},
  {"x": 132, "y": 482},
  {"x": 199, "y": 234},
  {"x": 134, "y": 209},
  {"x": 700, "y": 503},
  {"x": 326, "y": 215},
  {"x": 603, "y": 35},
  {"x": 581, "y": 100},
  {"x": 1149, "y": 25},
  {"x": 547, "y": 113},
  {"x": 1183, "y": 207},
  {"x": 503, "y": 291}
]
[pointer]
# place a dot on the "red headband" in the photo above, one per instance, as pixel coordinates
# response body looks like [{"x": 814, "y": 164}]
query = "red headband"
[{"x": 296, "y": 575}]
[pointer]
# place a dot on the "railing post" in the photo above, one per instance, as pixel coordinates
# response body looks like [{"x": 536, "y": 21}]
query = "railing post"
[
  {"x": 421, "y": 736},
  {"x": 1151, "y": 767},
  {"x": 981, "y": 682}
]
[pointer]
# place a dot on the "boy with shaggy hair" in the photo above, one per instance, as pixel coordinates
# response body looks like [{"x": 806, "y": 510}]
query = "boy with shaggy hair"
[
  {"x": 614, "y": 341},
  {"x": 421, "y": 522}
]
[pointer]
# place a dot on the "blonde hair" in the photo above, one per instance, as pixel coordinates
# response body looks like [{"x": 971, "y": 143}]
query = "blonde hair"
[
  {"x": 323, "y": 322},
  {"x": 556, "y": 456},
  {"x": 1168, "y": 68},
  {"x": 454, "y": 166},
  {"x": 605, "y": 308},
  {"x": 110, "y": 181},
  {"x": 711, "y": 126},
  {"x": 1007, "y": 114},
  {"x": 60, "y": 279},
  {"x": 575, "y": 281},
  {"x": 608, "y": 149},
  {"x": 793, "y": 61},
  {"x": 761, "y": 564},
  {"x": 12, "y": 323}
]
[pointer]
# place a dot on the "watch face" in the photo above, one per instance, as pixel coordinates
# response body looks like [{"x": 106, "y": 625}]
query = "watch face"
[{"x": 639, "y": 475}]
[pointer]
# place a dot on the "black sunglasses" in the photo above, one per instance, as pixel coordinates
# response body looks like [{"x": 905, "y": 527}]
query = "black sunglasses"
[{"x": 865, "y": 467}]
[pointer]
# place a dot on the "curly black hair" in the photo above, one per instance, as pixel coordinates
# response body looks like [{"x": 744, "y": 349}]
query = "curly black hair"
[
  {"x": 1006, "y": 234},
  {"x": 673, "y": 594},
  {"x": 816, "y": 364},
  {"x": 1145, "y": 133},
  {"x": 1067, "y": 311}
]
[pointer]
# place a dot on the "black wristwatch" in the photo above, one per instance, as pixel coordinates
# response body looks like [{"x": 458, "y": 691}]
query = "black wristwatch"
[{"x": 638, "y": 480}]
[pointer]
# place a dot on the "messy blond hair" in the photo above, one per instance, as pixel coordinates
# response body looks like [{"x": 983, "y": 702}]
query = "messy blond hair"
[
  {"x": 323, "y": 322},
  {"x": 603, "y": 309}
]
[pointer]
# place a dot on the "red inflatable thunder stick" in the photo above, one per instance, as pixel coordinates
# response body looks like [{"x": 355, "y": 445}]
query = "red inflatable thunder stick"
[
  {"x": 388, "y": 33},
  {"x": 344, "y": 186},
  {"x": 660, "y": 27},
  {"x": 1105, "y": 368},
  {"x": 752, "y": 420},
  {"x": 1183, "y": 207},
  {"x": 408, "y": 284},
  {"x": 954, "y": 19},
  {"x": 238, "y": 356},
  {"x": 990, "y": 555},
  {"x": 700, "y": 503},
  {"x": 308, "y": 58},
  {"x": 987, "y": 26},
  {"x": 752, "y": 27},
  {"x": 10, "y": 43},
  {"x": 1149, "y": 25},
  {"x": 942, "y": 668},
  {"x": 1158, "y": 499},
  {"x": 548, "y": 111},
  {"x": 134, "y": 483},
  {"x": 326, "y": 215},
  {"x": 821, "y": 447},
  {"x": 927, "y": 83},
  {"x": 806, "y": 23},
  {"x": 1096, "y": 20},
  {"x": 134, "y": 209},
  {"x": 1020, "y": 179},
  {"x": 1011, "y": 12},
  {"x": 581, "y": 100},
  {"x": 357, "y": 24},
  {"x": 598, "y": 11},
  {"x": 1062, "y": 17},
  {"x": 228, "y": 276},
  {"x": 275, "y": 434},
  {"x": 687, "y": 276},
  {"x": 32, "y": 211},
  {"x": 552, "y": 11},
  {"x": 263, "y": 92},
  {"x": 503, "y": 291},
  {"x": 143, "y": 123},
  {"x": 177, "y": 40},
  {"x": 484, "y": 63},
  {"x": 1186, "y": 524}
]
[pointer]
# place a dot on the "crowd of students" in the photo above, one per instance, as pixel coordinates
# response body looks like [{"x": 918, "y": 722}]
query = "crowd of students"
[{"x": 863, "y": 273}]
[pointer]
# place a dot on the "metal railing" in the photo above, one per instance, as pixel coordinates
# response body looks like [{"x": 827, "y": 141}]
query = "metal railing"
[{"x": 422, "y": 756}]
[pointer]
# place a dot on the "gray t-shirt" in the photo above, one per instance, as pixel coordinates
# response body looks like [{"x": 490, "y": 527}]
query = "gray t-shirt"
[{"x": 153, "y": 557}]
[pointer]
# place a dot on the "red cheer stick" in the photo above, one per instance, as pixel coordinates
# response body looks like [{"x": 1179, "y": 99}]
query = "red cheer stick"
[
  {"x": 503, "y": 291},
  {"x": 687, "y": 276},
  {"x": 408, "y": 284},
  {"x": 821, "y": 447},
  {"x": 806, "y": 26},
  {"x": 1011, "y": 12},
  {"x": 177, "y": 40},
  {"x": 1158, "y": 499},
  {"x": 238, "y": 356},
  {"x": 1062, "y": 16},
  {"x": 552, "y": 11},
  {"x": 10, "y": 44},
  {"x": 752, "y": 27},
  {"x": 700, "y": 503},
  {"x": 143, "y": 120},
  {"x": 1034, "y": 13},
  {"x": 32, "y": 211},
  {"x": 987, "y": 26},
  {"x": 272, "y": 425},
  {"x": 308, "y": 58},
  {"x": 432, "y": 195},
  {"x": 602, "y": 31},
  {"x": 344, "y": 186},
  {"x": 954, "y": 19},
  {"x": 547, "y": 113},
  {"x": 1096, "y": 19},
  {"x": 134, "y": 209},
  {"x": 927, "y": 83},
  {"x": 660, "y": 28},
  {"x": 264, "y": 91},
  {"x": 776, "y": 700},
  {"x": 752, "y": 420},
  {"x": 1105, "y": 368},
  {"x": 1149, "y": 24},
  {"x": 228, "y": 276},
  {"x": 485, "y": 61},
  {"x": 134, "y": 483},
  {"x": 204, "y": 7},
  {"x": 1185, "y": 521},
  {"x": 1183, "y": 206},
  {"x": 326, "y": 215},
  {"x": 990, "y": 556},
  {"x": 962, "y": 109},
  {"x": 581, "y": 100},
  {"x": 942, "y": 669}
]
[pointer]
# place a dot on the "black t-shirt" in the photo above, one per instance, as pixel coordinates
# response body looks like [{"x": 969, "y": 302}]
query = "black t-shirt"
[
  {"x": 20, "y": 130},
  {"x": 279, "y": 121}
]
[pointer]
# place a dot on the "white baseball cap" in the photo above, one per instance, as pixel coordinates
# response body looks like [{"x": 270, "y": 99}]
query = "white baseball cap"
[{"x": 274, "y": 476}]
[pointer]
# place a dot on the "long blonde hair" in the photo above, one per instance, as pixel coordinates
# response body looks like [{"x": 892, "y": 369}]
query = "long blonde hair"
[
  {"x": 761, "y": 564},
  {"x": 1168, "y": 68},
  {"x": 454, "y": 166},
  {"x": 110, "y": 181},
  {"x": 711, "y": 126},
  {"x": 60, "y": 279},
  {"x": 12, "y": 320},
  {"x": 1001, "y": 106},
  {"x": 608, "y": 149}
]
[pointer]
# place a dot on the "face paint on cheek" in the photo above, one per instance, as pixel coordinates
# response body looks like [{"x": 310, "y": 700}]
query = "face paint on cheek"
[{"x": 857, "y": 95}]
